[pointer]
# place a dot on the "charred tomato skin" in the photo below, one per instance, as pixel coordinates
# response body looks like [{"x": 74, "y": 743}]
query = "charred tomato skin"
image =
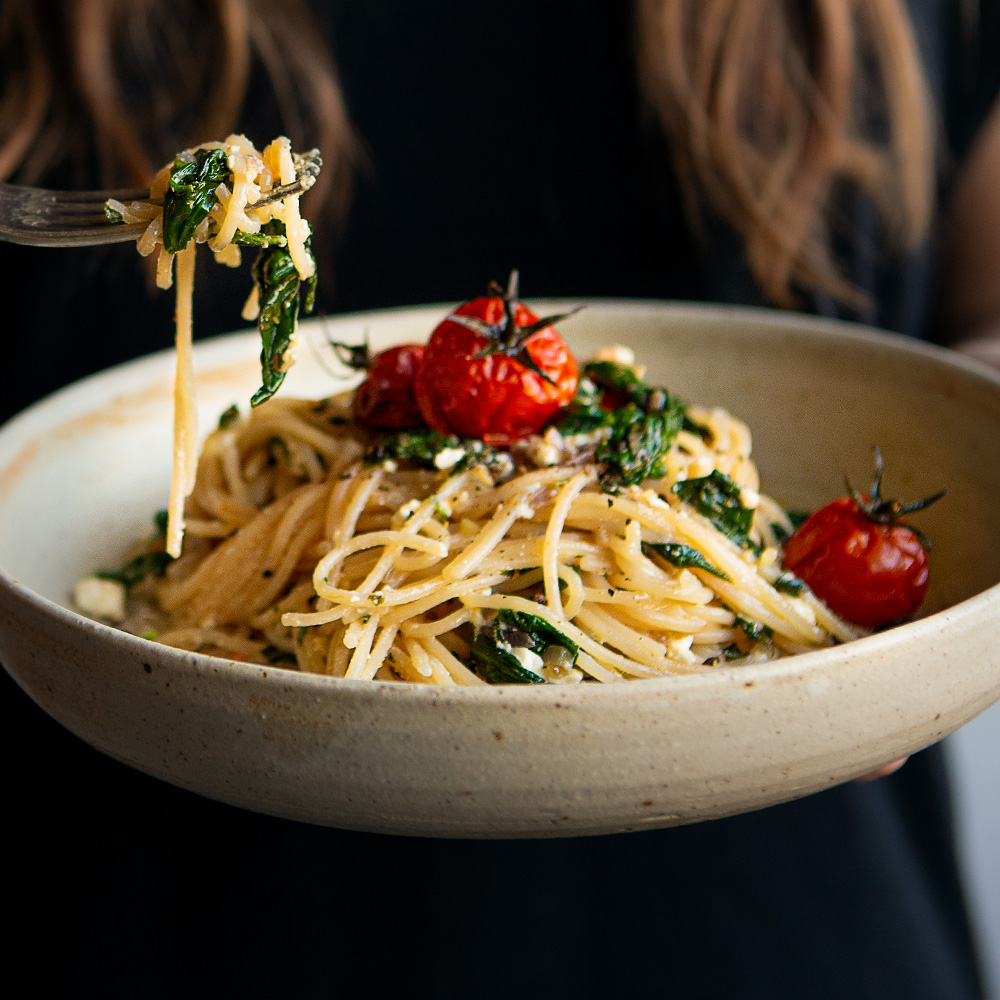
[
  {"x": 385, "y": 399},
  {"x": 494, "y": 398},
  {"x": 870, "y": 574}
]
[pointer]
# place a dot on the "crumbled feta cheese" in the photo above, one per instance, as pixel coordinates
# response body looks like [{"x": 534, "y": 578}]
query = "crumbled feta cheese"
[
  {"x": 100, "y": 598},
  {"x": 749, "y": 498},
  {"x": 546, "y": 451},
  {"x": 618, "y": 354},
  {"x": 528, "y": 659},
  {"x": 448, "y": 458},
  {"x": 680, "y": 649}
]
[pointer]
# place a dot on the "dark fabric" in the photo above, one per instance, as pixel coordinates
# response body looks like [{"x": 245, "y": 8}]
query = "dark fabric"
[{"x": 496, "y": 136}]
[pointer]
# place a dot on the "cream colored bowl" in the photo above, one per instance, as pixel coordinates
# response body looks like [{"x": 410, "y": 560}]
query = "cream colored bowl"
[{"x": 81, "y": 473}]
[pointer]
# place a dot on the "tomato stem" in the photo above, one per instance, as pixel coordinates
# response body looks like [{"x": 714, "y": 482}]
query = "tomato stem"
[{"x": 507, "y": 337}]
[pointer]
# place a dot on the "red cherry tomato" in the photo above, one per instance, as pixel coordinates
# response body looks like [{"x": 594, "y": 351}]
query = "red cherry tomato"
[
  {"x": 869, "y": 573},
  {"x": 385, "y": 398},
  {"x": 494, "y": 397}
]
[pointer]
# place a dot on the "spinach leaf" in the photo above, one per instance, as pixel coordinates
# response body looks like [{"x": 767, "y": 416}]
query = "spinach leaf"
[
  {"x": 279, "y": 657},
  {"x": 754, "y": 629},
  {"x": 682, "y": 556},
  {"x": 279, "y": 297},
  {"x": 789, "y": 583},
  {"x": 136, "y": 570},
  {"x": 636, "y": 446},
  {"x": 261, "y": 239},
  {"x": 229, "y": 417},
  {"x": 146, "y": 563},
  {"x": 620, "y": 379},
  {"x": 422, "y": 445},
  {"x": 584, "y": 413},
  {"x": 718, "y": 498},
  {"x": 492, "y": 650},
  {"x": 190, "y": 195}
]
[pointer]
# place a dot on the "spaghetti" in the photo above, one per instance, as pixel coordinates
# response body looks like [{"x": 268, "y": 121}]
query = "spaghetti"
[
  {"x": 308, "y": 547},
  {"x": 225, "y": 194}
]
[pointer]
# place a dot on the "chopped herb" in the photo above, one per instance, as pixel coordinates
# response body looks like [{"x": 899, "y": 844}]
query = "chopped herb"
[
  {"x": 682, "y": 556},
  {"x": 733, "y": 652},
  {"x": 718, "y": 498},
  {"x": 160, "y": 519},
  {"x": 260, "y": 239},
  {"x": 151, "y": 636},
  {"x": 584, "y": 413},
  {"x": 112, "y": 214},
  {"x": 695, "y": 428},
  {"x": 229, "y": 417},
  {"x": 440, "y": 514},
  {"x": 377, "y": 598},
  {"x": 797, "y": 517},
  {"x": 789, "y": 583},
  {"x": 754, "y": 630},
  {"x": 421, "y": 446},
  {"x": 146, "y": 563},
  {"x": 136, "y": 570},
  {"x": 619, "y": 379},
  {"x": 492, "y": 650},
  {"x": 278, "y": 656},
  {"x": 190, "y": 195}
]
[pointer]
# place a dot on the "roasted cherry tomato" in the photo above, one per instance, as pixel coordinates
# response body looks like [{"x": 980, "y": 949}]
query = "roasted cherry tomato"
[
  {"x": 493, "y": 370},
  {"x": 858, "y": 556},
  {"x": 385, "y": 398}
]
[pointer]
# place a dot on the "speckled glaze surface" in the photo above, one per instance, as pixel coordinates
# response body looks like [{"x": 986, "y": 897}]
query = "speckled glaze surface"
[{"x": 81, "y": 473}]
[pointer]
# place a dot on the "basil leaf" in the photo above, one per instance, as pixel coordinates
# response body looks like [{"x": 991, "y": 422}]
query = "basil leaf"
[
  {"x": 279, "y": 297},
  {"x": 718, "y": 498},
  {"x": 190, "y": 195},
  {"x": 682, "y": 556}
]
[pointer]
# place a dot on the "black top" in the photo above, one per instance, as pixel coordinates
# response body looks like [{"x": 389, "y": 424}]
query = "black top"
[{"x": 495, "y": 137}]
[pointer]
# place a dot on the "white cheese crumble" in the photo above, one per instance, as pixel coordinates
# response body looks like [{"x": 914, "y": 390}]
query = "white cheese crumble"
[
  {"x": 100, "y": 598},
  {"x": 528, "y": 659},
  {"x": 448, "y": 458},
  {"x": 617, "y": 353}
]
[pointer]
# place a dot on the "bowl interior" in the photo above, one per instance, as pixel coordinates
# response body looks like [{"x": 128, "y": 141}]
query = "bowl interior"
[{"x": 82, "y": 473}]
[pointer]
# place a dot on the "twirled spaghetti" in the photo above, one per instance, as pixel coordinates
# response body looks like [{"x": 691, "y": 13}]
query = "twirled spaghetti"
[{"x": 305, "y": 548}]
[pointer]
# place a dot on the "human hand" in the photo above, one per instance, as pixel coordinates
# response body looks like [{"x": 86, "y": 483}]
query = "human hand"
[{"x": 882, "y": 772}]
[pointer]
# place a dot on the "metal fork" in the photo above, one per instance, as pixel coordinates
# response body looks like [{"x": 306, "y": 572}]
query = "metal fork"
[{"x": 45, "y": 218}]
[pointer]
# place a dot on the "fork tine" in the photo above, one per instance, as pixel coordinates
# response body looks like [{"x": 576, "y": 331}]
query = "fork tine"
[{"x": 41, "y": 217}]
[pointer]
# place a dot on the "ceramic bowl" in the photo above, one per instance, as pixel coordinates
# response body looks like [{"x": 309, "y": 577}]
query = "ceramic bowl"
[{"x": 81, "y": 472}]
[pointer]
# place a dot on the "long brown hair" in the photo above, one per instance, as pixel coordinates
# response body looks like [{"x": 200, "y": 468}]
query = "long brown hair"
[
  {"x": 129, "y": 82},
  {"x": 768, "y": 105}
]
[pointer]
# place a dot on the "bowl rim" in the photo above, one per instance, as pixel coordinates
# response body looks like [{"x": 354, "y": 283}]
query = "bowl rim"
[{"x": 741, "y": 319}]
